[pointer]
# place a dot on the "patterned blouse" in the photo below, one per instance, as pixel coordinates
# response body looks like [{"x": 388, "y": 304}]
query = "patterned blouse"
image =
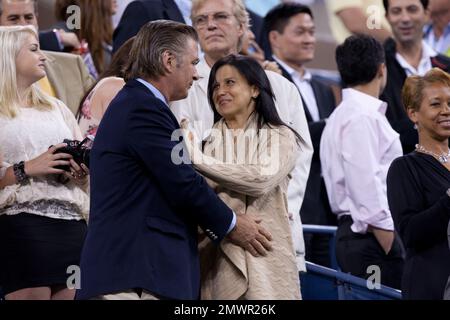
[{"x": 88, "y": 124}]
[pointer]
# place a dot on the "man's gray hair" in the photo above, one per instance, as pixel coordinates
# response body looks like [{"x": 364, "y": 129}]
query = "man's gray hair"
[
  {"x": 155, "y": 38},
  {"x": 35, "y": 5},
  {"x": 239, "y": 11}
]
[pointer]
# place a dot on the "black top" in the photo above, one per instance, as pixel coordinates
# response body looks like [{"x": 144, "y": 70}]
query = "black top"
[
  {"x": 138, "y": 13},
  {"x": 416, "y": 189}
]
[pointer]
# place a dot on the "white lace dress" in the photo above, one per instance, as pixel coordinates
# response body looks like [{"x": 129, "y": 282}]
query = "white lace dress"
[{"x": 27, "y": 136}]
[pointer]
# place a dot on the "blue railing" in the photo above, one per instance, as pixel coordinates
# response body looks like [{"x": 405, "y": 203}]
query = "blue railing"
[
  {"x": 331, "y": 232},
  {"x": 322, "y": 283}
]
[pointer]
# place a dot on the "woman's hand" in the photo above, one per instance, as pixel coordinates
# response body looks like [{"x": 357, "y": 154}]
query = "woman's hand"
[
  {"x": 191, "y": 141},
  {"x": 78, "y": 173},
  {"x": 271, "y": 66},
  {"x": 188, "y": 134},
  {"x": 46, "y": 162}
]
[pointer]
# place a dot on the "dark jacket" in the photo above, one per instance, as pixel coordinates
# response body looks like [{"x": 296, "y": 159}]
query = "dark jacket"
[
  {"x": 315, "y": 208},
  {"x": 256, "y": 25},
  {"x": 145, "y": 208},
  {"x": 49, "y": 42},
  {"x": 138, "y": 13}
]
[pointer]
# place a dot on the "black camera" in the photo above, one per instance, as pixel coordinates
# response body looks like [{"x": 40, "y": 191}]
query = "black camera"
[{"x": 79, "y": 150}]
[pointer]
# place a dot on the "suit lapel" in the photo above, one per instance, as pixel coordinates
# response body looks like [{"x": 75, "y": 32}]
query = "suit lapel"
[
  {"x": 305, "y": 107},
  {"x": 320, "y": 99},
  {"x": 53, "y": 70},
  {"x": 172, "y": 11},
  {"x": 285, "y": 73}
]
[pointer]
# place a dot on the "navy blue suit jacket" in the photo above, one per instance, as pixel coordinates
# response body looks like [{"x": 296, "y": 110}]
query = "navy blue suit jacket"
[
  {"x": 48, "y": 41},
  {"x": 138, "y": 13},
  {"x": 145, "y": 209}
]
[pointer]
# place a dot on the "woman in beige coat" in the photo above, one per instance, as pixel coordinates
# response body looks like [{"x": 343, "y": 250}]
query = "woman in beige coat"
[{"x": 247, "y": 159}]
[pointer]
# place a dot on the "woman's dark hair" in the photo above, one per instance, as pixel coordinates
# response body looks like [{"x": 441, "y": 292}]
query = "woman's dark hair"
[
  {"x": 119, "y": 60},
  {"x": 96, "y": 28},
  {"x": 115, "y": 69},
  {"x": 255, "y": 75}
]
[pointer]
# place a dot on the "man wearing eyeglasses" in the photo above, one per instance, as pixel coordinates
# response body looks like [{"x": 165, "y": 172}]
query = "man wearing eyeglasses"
[{"x": 220, "y": 25}]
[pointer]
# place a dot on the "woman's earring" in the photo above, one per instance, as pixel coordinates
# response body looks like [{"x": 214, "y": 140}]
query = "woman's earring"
[{"x": 416, "y": 126}]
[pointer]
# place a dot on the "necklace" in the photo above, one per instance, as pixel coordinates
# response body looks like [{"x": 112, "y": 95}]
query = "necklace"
[{"x": 442, "y": 158}]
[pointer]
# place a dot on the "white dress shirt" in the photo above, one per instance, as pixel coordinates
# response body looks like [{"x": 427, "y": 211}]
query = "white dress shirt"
[
  {"x": 303, "y": 84},
  {"x": 424, "y": 64},
  {"x": 357, "y": 148},
  {"x": 197, "y": 110}
]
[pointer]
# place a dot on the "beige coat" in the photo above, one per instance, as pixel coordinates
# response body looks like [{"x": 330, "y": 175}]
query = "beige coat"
[
  {"x": 69, "y": 76},
  {"x": 254, "y": 185},
  {"x": 195, "y": 108}
]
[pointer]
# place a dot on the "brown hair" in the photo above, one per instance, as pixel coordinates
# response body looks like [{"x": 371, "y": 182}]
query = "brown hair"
[
  {"x": 151, "y": 42},
  {"x": 412, "y": 92},
  {"x": 96, "y": 28},
  {"x": 115, "y": 69},
  {"x": 119, "y": 60}
]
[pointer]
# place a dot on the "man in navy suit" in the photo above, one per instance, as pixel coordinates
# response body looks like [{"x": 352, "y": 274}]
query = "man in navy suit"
[
  {"x": 145, "y": 205},
  {"x": 290, "y": 28}
]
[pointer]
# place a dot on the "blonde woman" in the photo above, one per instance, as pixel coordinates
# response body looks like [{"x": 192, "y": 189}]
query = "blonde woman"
[{"x": 42, "y": 206}]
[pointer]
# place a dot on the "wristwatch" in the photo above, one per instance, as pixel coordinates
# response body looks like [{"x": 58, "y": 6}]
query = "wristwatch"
[{"x": 19, "y": 172}]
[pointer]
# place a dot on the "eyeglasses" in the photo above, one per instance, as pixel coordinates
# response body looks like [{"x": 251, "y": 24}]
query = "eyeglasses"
[{"x": 201, "y": 21}]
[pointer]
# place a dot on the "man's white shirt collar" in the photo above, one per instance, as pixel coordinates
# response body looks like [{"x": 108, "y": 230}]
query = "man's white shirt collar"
[
  {"x": 424, "y": 64},
  {"x": 365, "y": 100},
  {"x": 307, "y": 76}
]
